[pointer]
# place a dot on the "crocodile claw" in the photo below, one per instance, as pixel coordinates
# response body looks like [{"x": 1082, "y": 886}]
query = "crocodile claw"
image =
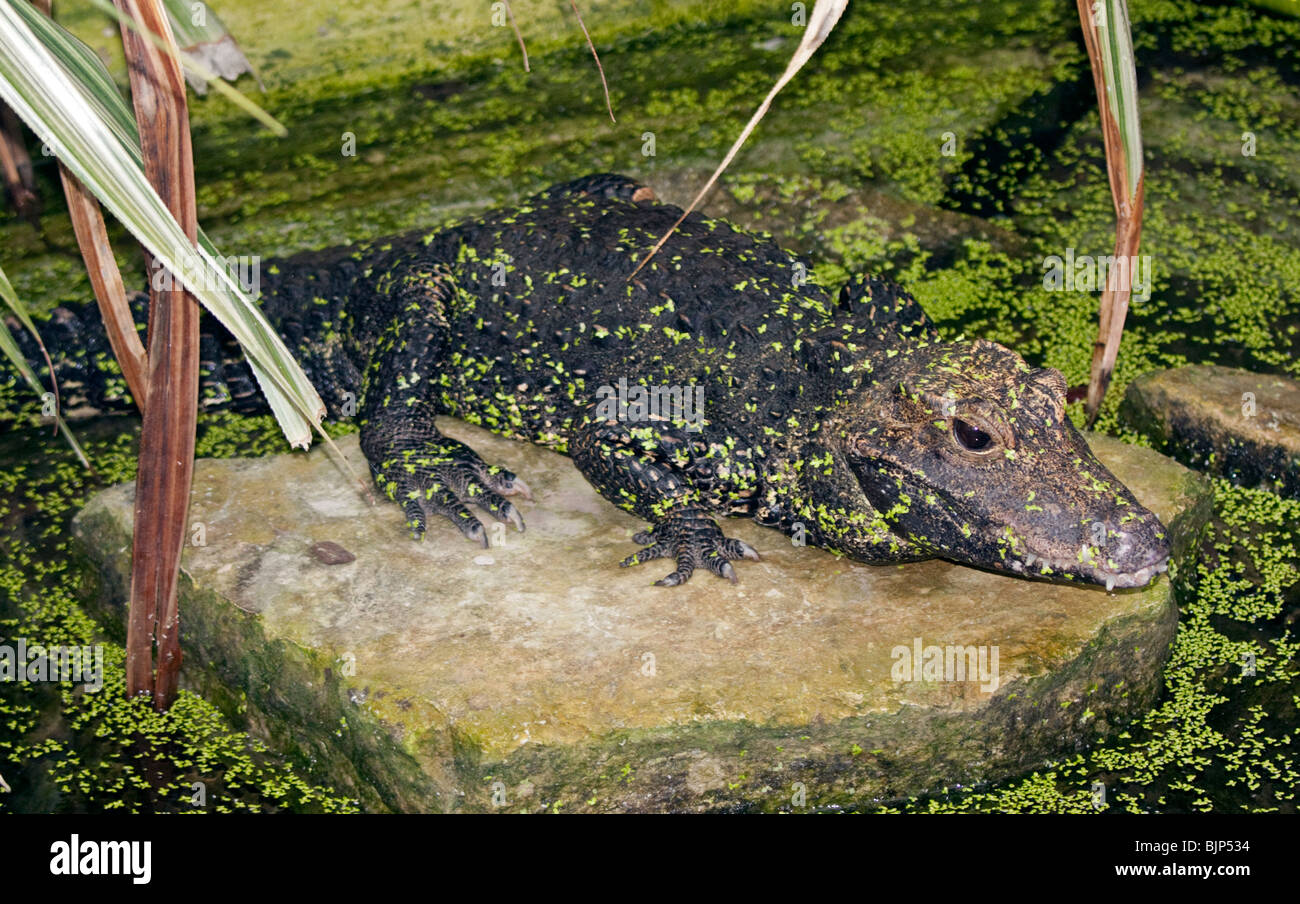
[
  {"x": 444, "y": 478},
  {"x": 693, "y": 539},
  {"x": 515, "y": 486}
]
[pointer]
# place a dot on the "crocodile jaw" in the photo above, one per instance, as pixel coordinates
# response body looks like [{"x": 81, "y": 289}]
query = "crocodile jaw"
[{"x": 1138, "y": 577}]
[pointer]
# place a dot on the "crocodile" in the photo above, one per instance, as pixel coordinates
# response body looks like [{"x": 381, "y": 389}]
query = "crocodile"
[{"x": 719, "y": 380}]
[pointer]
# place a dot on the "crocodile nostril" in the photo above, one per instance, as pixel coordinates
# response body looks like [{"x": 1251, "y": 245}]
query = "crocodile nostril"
[{"x": 1135, "y": 550}]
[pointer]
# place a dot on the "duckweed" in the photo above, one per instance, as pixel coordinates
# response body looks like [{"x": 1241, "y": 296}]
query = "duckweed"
[{"x": 852, "y": 157}]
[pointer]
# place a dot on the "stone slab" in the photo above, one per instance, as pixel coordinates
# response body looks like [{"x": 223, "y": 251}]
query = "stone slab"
[
  {"x": 1223, "y": 420},
  {"x": 537, "y": 674}
]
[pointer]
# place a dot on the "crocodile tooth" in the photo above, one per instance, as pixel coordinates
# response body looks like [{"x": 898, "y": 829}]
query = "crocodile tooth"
[
  {"x": 1110, "y": 584},
  {"x": 1018, "y": 566}
]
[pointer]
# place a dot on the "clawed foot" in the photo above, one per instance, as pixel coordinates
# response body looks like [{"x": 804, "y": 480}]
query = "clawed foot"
[
  {"x": 693, "y": 539},
  {"x": 442, "y": 478}
]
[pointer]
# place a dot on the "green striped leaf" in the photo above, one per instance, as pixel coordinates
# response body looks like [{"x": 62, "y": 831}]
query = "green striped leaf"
[
  {"x": 1120, "y": 76},
  {"x": 201, "y": 35},
  {"x": 64, "y": 94}
]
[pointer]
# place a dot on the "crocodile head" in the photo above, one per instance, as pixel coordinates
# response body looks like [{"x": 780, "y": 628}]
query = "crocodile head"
[{"x": 969, "y": 456}]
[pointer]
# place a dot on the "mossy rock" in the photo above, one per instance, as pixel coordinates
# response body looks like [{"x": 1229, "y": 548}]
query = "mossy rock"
[
  {"x": 538, "y": 675},
  {"x": 1225, "y": 421}
]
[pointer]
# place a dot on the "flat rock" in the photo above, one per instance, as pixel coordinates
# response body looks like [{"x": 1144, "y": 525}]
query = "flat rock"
[
  {"x": 1234, "y": 423},
  {"x": 538, "y": 675}
]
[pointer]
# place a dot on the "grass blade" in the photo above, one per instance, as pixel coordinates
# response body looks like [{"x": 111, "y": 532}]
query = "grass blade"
[
  {"x": 518, "y": 35},
  {"x": 9, "y": 346},
  {"x": 599, "y": 68},
  {"x": 106, "y": 282},
  {"x": 820, "y": 23}
]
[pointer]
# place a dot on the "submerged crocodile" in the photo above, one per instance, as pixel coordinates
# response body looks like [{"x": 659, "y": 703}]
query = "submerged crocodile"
[{"x": 719, "y": 380}]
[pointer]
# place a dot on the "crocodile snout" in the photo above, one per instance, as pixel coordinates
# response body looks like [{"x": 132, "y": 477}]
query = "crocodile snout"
[{"x": 1133, "y": 557}]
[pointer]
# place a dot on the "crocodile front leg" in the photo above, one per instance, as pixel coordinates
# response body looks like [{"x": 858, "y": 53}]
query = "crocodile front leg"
[
  {"x": 428, "y": 474},
  {"x": 675, "y": 479},
  {"x": 693, "y": 539},
  {"x": 431, "y": 475}
]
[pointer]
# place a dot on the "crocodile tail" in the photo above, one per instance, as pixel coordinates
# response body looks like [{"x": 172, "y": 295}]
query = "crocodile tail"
[
  {"x": 605, "y": 185},
  {"x": 305, "y": 299},
  {"x": 89, "y": 379}
]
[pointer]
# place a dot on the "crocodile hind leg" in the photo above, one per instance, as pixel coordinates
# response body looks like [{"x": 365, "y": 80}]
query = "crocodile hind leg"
[
  {"x": 428, "y": 474},
  {"x": 676, "y": 480}
]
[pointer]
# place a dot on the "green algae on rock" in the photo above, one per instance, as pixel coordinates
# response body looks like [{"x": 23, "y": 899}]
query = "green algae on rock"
[
  {"x": 445, "y": 121},
  {"x": 534, "y": 672},
  {"x": 66, "y": 750}
]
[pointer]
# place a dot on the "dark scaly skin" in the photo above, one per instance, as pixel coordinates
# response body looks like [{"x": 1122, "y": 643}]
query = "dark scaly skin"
[{"x": 838, "y": 418}]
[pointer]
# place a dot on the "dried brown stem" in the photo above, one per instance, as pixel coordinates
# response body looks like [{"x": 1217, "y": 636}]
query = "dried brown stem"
[
  {"x": 820, "y": 24},
  {"x": 511, "y": 13},
  {"x": 167, "y": 436},
  {"x": 1128, "y": 201},
  {"x": 106, "y": 280},
  {"x": 1114, "y": 309},
  {"x": 16, "y": 168}
]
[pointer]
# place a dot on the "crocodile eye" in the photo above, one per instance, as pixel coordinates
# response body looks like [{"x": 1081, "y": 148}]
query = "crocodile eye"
[{"x": 970, "y": 437}]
